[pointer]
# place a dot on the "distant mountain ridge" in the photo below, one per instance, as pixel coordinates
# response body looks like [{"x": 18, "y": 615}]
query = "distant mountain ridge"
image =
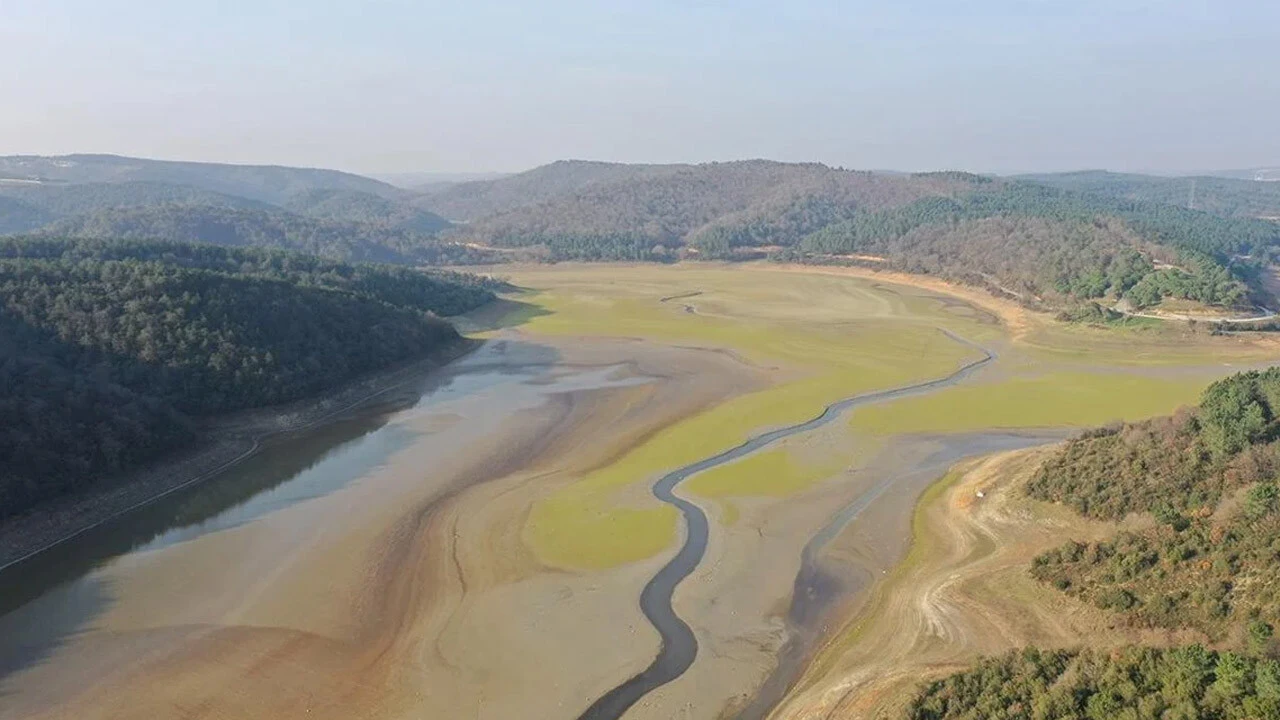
[
  {"x": 1234, "y": 197},
  {"x": 1050, "y": 240},
  {"x": 266, "y": 183},
  {"x": 340, "y": 215},
  {"x": 471, "y": 200},
  {"x": 249, "y": 227},
  {"x": 1053, "y": 240},
  {"x": 1258, "y": 174}
]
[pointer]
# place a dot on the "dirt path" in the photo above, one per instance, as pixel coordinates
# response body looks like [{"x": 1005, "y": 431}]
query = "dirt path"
[{"x": 962, "y": 592}]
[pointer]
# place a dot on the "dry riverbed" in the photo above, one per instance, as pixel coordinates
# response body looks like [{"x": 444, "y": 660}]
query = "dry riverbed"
[
  {"x": 481, "y": 554},
  {"x": 394, "y": 595}
]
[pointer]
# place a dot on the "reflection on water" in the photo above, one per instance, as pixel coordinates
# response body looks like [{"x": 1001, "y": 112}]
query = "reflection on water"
[
  {"x": 50, "y": 596},
  {"x": 284, "y": 473}
]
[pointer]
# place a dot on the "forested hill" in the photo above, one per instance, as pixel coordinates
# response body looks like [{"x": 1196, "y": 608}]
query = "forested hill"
[
  {"x": 1187, "y": 683},
  {"x": 1044, "y": 245},
  {"x": 676, "y": 204},
  {"x": 1208, "y": 475},
  {"x": 1206, "y": 566},
  {"x": 360, "y": 207},
  {"x": 94, "y": 191},
  {"x": 1231, "y": 197},
  {"x": 1061, "y": 242},
  {"x": 353, "y": 240},
  {"x": 107, "y": 348},
  {"x": 479, "y": 198},
  {"x": 264, "y": 183}
]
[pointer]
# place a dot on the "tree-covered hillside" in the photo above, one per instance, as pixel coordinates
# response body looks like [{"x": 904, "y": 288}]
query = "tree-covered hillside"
[
  {"x": 1244, "y": 198},
  {"x": 1064, "y": 241},
  {"x": 58, "y": 201},
  {"x": 1208, "y": 475},
  {"x": 106, "y": 348},
  {"x": 1188, "y": 683},
  {"x": 223, "y": 225},
  {"x": 473, "y": 200},
  {"x": 367, "y": 208},
  {"x": 1043, "y": 244},
  {"x": 681, "y": 206},
  {"x": 1207, "y": 566},
  {"x": 17, "y": 216},
  {"x": 264, "y": 183}
]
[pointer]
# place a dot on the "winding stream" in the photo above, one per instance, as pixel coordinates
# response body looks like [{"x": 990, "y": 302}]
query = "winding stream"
[{"x": 679, "y": 645}]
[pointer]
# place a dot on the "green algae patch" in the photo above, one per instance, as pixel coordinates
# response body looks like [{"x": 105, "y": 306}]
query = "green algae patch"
[
  {"x": 574, "y": 530},
  {"x": 1052, "y": 400},
  {"x": 823, "y": 338},
  {"x": 767, "y": 473}
]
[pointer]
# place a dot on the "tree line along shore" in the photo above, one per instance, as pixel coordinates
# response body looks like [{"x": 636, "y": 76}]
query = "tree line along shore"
[
  {"x": 115, "y": 352},
  {"x": 1204, "y": 566},
  {"x": 1079, "y": 243}
]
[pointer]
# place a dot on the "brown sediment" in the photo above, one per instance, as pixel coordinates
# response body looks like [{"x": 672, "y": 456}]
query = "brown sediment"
[
  {"x": 1018, "y": 319},
  {"x": 409, "y": 593},
  {"x": 963, "y": 592}
]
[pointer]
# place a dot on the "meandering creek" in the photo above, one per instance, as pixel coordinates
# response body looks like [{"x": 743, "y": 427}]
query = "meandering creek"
[
  {"x": 679, "y": 645},
  {"x": 55, "y": 597}
]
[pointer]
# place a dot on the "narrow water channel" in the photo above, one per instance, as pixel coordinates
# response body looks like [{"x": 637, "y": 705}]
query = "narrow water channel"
[{"x": 679, "y": 645}]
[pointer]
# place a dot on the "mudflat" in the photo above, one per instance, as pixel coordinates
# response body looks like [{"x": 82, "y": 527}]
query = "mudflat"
[
  {"x": 394, "y": 595},
  {"x": 482, "y": 553}
]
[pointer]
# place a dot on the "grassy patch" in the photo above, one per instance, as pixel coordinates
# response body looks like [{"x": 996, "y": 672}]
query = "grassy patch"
[
  {"x": 832, "y": 337},
  {"x": 768, "y": 473},
  {"x": 1055, "y": 399},
  {"x": 878, "y": 343},
  {"x": 576, "y": 529}
]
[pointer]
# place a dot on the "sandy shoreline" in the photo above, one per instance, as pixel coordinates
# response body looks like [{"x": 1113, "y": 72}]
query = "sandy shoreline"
[
  {"x": 417, "y": 588},
  {"x": 222, "y": 443},
  {"x": 962, "y": 592},
  {"x": 394, "y": 596}
]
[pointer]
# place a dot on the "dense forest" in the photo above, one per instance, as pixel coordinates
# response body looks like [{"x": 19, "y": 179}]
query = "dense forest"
[
  {"x": 223, "y": 225},
  {"x": 673, "y": 207},
  {"x": 480, "y": 198},
  {"x": 263, "y": 183},
  {"x": 1208, "y": 475},
  {"x": 1187, "y": 683},
  {"x": 1053, "y": 241},
  {"x": 1067, "y": 245},
  {"x": 1244, "y": 198},
  {"x": 365, "y": 208},
  {"x": 54, "y": 202},
  {"x": 17, "y": 216},
  {"x": 107, "y": 348},
  {"x": 1044, "y": 245}
]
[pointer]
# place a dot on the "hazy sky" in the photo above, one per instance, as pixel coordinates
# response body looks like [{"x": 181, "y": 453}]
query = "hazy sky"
[{"x": 404, "y": 85}]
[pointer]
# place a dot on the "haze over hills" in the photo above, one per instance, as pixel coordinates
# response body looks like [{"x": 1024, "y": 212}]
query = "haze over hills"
[
  {"x": 336, "y": 214},
  {"x": 433, "y": 181},
  {"x": 1051, "y": 240},
  {"x": 266, "y": 183},
  {"x": 1236, "y": 197},
  {"x": 245, "y": 227},
  {"x": 471, "y": 200},
  {"x": 1259, "y": 174},
  {"x": 1041, "y": 243}
]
